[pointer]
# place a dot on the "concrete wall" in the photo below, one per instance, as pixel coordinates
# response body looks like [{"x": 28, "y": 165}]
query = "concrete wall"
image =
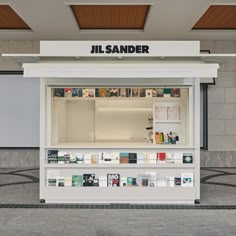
[{"x": 221, "y": 108}]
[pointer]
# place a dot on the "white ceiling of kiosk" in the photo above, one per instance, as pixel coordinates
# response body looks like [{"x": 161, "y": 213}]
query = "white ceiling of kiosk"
[{"x": 167, "y": 20}]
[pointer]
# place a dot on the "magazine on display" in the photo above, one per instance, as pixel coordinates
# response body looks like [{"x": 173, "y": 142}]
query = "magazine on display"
[
  {"x": 113, "y": 180},
  {"x": 88, "y": 180},
  {"x": 187, "y": 179},
  {"x": 77, "y": 180},
  {"x": 187, "y": 158},
  {"x": 53, "y": 156}
]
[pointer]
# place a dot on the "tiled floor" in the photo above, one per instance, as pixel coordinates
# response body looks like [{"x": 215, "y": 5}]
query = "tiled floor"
[{"x": 116, "y": 222}]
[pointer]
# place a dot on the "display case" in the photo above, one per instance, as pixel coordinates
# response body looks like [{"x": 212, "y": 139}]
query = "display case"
[{"x": 120, "y": 130}]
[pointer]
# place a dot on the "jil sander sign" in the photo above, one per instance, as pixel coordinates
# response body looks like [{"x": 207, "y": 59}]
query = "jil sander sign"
[{"x": 119, "y": 49}]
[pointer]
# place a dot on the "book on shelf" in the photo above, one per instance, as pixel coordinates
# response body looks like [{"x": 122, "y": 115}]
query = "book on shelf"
[
  {"x": 79, "y": 158},
  {"x": 73, "y": 159},
  {"x": 148, "y": 93},
  {"x": 113, "y": 180},
  {"x": 142, "y": 92},
  {"x": 96, "y": 92},
  {"x": 161, "y": 157},
  {"x": 61, "y": 159},
  {"x": 178, "y": 157},
  {"x": 91, "y": 92},
  {"x": 124, "y": 158},
  {"x": 96, "y": 183},
  {"x": 153, "y": 178},
  {"x": 123, "y": 182},
  {"x": 94, "y": 158},
  {"x": 170, "y": 157},
  {"x": 102, "y": 92},
  {"x": 140, "y": 158},
  {"x": 175, "y": 92},
  {"x": 160, "y": 92},
  {"x": 144, "y": 180},
  {"x": 124, "y": 92},
  {"x": 132, "y": 158},
  {"x": 58, "y": 92},
  {"x": 135, "y": 92},
  {"x": 102, "y": 181},
  {"x": 87, "y": 158},
  {"x": 170, "y": 181},
  {"x": 154, "y": 92},
  {"x": 52, "y": 175},
  {"x": 129, "y": 181},
  {"x": 187, "y": 180},
  {"x": 115, "y": 158},
  {"x": 173, "y": 113},
  {"x": 112, "y": 92},
  {"x": 187, "y": 158},
  {"x": 160, "y": 113},
  {"x": 77, "y": 180},
  {"x": 85, "y": 93},
  {"x": 177, "y": 181},
  {"x": 68, "y": 181},
  {"x": 88, "y": 180},
  {"x": 52, "y": 156},
  {"x": 166, "y": 92},
  {"x": 75, "y": 92},
  {"x": 68, "y": 92},
  {"x": 66, "y": 158},
  {"x": 60, "y": 181}
]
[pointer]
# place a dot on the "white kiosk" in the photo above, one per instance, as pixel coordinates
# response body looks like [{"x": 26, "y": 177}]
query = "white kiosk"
[{"x": 120, "y": 121}]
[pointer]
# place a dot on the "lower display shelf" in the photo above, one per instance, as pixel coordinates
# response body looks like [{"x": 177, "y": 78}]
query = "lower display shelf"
[
  {"x": 131, "y": 166},
  {"x": 124, "y": 195}
]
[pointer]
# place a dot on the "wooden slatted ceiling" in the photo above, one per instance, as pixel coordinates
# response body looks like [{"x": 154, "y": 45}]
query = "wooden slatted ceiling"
[
  {"x": 218, "y": 17},
  {"x": 110, "y": 16},
  {"x": 10, "y": 20}
]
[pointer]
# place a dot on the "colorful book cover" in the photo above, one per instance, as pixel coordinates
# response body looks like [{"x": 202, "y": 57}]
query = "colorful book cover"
[
  {"x": 113, "y": 180},
  {"x": 175, "y": 92},
  {"x": 129, "y": 181},
  {"x": 53, "y": 156},
  {"x": 88, "y": 180},
  {"x": 177, "y": 181},
  {"x": 112, "y": 92},
  {"x": 66, "y": 158},
  {"x": 166, "y": 92},
  {"x": 154, "y": 92},
  {"x": 135, "y": 92},
  {"x": 75, "y": 92},
  {"x": 61, "y": 159},
  {"x": 79, "y": 158},
  {"x": 80, "y": 92},
  {"x": 144, "y": 180},
  {"x": 161, "y": 156},
  {"x": 58, "y": 92},
  {"x": 134, "y": 182},
  {"x": 77, "y": 181},
  {"x": 85, "y": 93},
  {"x": 160, "y": 92},
  {"x": 142, "y": 92},
  {"x": 124, "y": 158},
  {"x": 187, "y": 180},
  {"x": 123, "y": 92},
  {"x": 102, "y": 92},
  {"x": 187, "y": 158},
  {"x": 132, "y": 158},
  {"x": 91, "y": 92},
  {"x": 68, "y": 92},
  {"x": 97, "y": 92},
  {"x": 60, "y": 181}
]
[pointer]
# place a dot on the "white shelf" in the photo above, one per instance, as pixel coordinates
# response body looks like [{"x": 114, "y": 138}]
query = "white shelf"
[
  {"x": 164, "y": 99},
  {"x": 121, "y": 166},
  {"x": 118, "y": 146}
]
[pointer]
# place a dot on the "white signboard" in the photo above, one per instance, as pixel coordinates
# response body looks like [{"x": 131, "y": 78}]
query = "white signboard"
[{"x": 119, "y": 48}]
